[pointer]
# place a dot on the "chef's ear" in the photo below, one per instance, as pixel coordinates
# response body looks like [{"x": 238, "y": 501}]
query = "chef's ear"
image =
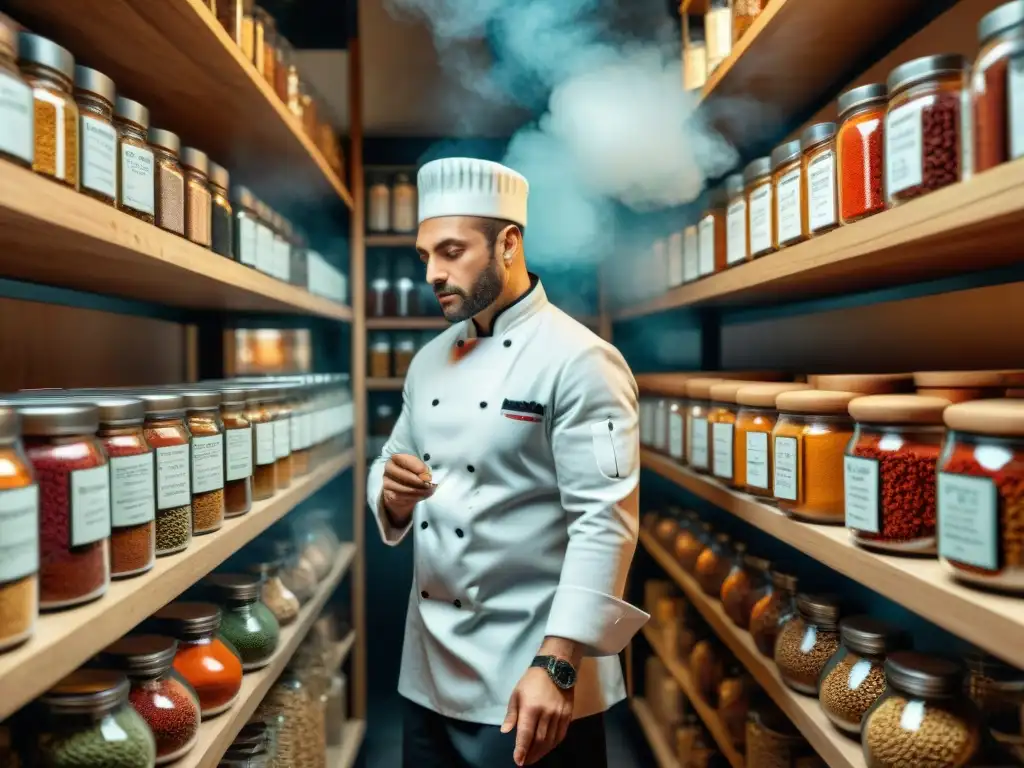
[{"x": 511, "y": 239}]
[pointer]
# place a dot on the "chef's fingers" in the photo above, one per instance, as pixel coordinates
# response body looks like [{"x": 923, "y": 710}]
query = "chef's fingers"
[
  {"x": 542, "y": 744},
  {"x": 403, "y": 478},
  {"x": 525, "y": 729},
  {"x": 563, "y": 727},
  {"x": 510, "y": 715},
  {"x": 413, "y": 464}
]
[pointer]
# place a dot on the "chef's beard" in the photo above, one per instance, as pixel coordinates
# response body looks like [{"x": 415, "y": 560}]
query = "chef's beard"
[{"x": 485, "y": 291}]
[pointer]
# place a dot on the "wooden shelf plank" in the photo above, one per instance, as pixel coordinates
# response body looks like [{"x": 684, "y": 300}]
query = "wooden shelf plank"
[
  {"x": 57, "y": 236},
  {"x": 59, "y": 645},
  {"x": 835, "y": 748},
  {"x": 393, "y": 384},
  {"x": 216, "y": 735},
  {"x": 177, "y": 60},
  {"x": 344, "y": 756},
  {"x": 991, "y": 621},
  {"x": 664, "y": 754},
  {"x": 704, "y": 710},
  {"x": 958, "y": 230},
  {"x": 406, "y": 323},
  {"x": 391, "y": 241}
]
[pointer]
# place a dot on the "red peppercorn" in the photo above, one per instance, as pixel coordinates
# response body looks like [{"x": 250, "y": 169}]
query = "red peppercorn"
[
  {"x": 907, "y": 489},
  {"x": 171, "y": 710}
]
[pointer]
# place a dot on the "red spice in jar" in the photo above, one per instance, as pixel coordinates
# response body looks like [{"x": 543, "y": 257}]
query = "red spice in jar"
[
  {"x": 907, "y": 489},
  {"x": 171, "y": 710},
  {"x": 859, "y": 151}
]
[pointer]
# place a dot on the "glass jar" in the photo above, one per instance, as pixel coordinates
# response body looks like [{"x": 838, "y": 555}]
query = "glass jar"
[
  {"x": 981, "y": 494},
  {"x": 734, "y": 693},
  {"x": 998, "y": 691},
  {"x": 246, "y": 622},
  {"x": 854, "y": 677},
  {"x": 198, "y": 199},
  {"x": 859, "y": 150},
  {"x": 698, "y": 441},
  {"x": 818, "y": 174},
  {"x": 659, "y": 440},
  {"x": 695, "y": 60},
  {"x": 19, "y": 548},
  {"x": 166, "y": 433},
  {"x": 221, "y": 236},
  {"x": 744, "y": 14},
  {"x": 87, "y": 722},
  {"x": 251, "y": 26},
  {"x": 809, "y": 444},
  {"x": 301, "y": 740},
  {"x": 264, "y": 471},
  {"x": 265, "y": 254},
  {"x": 202, "y": 416},
  {"x": 167, "y": 704},
  {"x": 707, "y": 667},
  {"x": 229, "y": 14},
  {"x": 736, "y": 248},
  {"x": 755, "y": 419},
  {"x": 74, "y": 511},
  {"x": 760, "y": 207},
  {"x": 773, "y": 609},
  {"x": 95, "y": 95},
  {"x": 282, "y": 414},
  {"x": 923, "y": 718},
  {"x": 282, "y": 250},
  {"x": 403, "y": 204},
  {"x": 745, "y": 585},
  {"x": 280, "y": 600},
  {"x": 923, "y": 126},
  {"x": 676, "y": 429},
  {"x": 726, "y": 456},
  {"x": 998, "y": 128},
  {"x": 380, "y": 356},
  {"x": 16, "y": 143},
  {"x": 961, "y": 386},
  {"x": 693, "y": 538},
  {"x": 646, "y": 406},
  {"x": 237, "y": 453},
  {"x": 136, "y": 168},
  {"x": 259, "y": 22},
  {"x": 773, "y": 741},
  {"x": 714, "y": 564},
  {"x": 691, "y": 254},
  {"x": 889, "y": 471},
  {"x": 807, "y": 641},
  {"x": 405, "y": 350},
  {"x": 787, "y": 191},
  {"x": 718, "y": 31},
  {"x": 50, "y": 71},
  {"x": 296, "y": 574},
  {"x": 378, "y": 209},
  {"x": 204, "y": 659},
  {"x": 170, "y": 181},
  {"x": 711, "y": 234},
  {"x": 282, "y": 61},
  {"x": 302, "y": 433},
  {"x": 245, "y": 225}
]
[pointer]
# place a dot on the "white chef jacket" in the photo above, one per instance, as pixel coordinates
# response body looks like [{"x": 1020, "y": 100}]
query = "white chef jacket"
[{"x": 532, "y": 438}]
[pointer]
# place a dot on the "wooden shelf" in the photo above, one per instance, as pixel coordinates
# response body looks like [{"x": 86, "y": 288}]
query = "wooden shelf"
[
  {"x": 664, "y": 754},
  {"x": 344, "y": 756},
  {"x": 993, "y": 622},
  {"x": 706, "y": 713},
  {"x": 177, "y": 60},
  {"x": 57, "y": 236},
  {"x": 391, "y": 241},
  {"x": 957, "y": 230},
  {"x": 406, "y": 324},
  {"x": 216, "y": 735},
  {"x": 59, "y": 645},
  {"x": 393, "y": 384},
  {"x": 835, "y": 748}
]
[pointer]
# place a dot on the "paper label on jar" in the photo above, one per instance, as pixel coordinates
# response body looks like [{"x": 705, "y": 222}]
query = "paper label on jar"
[
  {"x": 238, "y": 453},
  {"x": 860, "y": 486},
  {"x": 247, "y": 241},
  {"x": 295, "y": 436},
  {"x": 19, "y": 533},
  {"x": 785, "y": 485},
  {"x": 757, "y": 459},
  {"x": 132, "y": 490},
  {"x": 761, "y": 219},
  {"x": 706, "y": 248},
  {"x": 172, "y": 477},
  {"x": 264, "y": 250},
  {"x": 675, "y": 435},
  {"x": 646, "y": 422},
  {"x": 691, "y": 264},
  {"x": 821, "y": 185},
  {"x": 1015, "y": 107},
  {"x": 721, "y": 461},
  {"x": 660, "y": 425},
  {"x": 90, "y": 505},
  {"x": 904, "y": 147},
  {"x": 265, "y": 444},
  {"x": 675, "y": 259},
  {"x": 698, "y": 443},
  {"x": 968, "y": 520},
  {"x": 99, "y": 157},
  {"x": 306, "y": 430},
  {"x": 283, "y": 253},
  {"x": 17, "y": 113},
  {"x": 736, "y": 234},
  {"x": 207, "y": 463},
  {"x": 138, "y": 189},
  {"x": 787, "y": 205},
  {"x": 282, "y": 438}
]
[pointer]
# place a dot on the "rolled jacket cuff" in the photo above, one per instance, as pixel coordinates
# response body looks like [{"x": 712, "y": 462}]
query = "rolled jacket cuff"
[{"x": 603, "y": 624}]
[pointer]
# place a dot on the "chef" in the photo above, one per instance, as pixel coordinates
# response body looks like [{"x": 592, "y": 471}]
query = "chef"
[{"x": 514, "y": 466}]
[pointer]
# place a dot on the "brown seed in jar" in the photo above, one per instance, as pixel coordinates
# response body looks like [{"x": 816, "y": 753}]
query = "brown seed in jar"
[
  {"x": 846, "y": 702},
  {"x": 207, "y": 511},
  {"x": 799, "y": 669},
  {"x": 19, "y": 604},
  {"x": 943, "y": 739}
]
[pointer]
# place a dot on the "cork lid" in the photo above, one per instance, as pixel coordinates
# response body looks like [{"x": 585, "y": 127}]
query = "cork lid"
[
  {"x": 1003, "y": 417},
  {"x": 865, "y": 383},
  {"x": 957, "y": 379},
  {"x": 725, "y": 391},
  {"x": 700, "y": 389},
  {"x": 764, "y": 395},
  {"x": 815, "y": 401},
  {"x": 899, "y": 409}
]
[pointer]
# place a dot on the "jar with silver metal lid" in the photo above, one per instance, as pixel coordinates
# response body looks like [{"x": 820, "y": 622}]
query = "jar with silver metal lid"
[
  {"x": 19, "y": 547},
  {"x": 736, "y": 250},
  {"x": 202, "y": 417},
  {"x": 136, "y": 172},
  {"x": 245, "y": 223},
  {"x": 170, "y": 181},
  {"x": 264, "y": 239},
  {"x": 221, "y": 238},
  {"x": 787, "y": 189},
  {"x": 807, "y": 641},
  {"x": 760, "y": 206},
  {"x": 997, "y": 81},
  {"x": 818, "y": 169},
  {"x": 859, "y": 151},
  {"x": 50, "y": 71},
  {"x": 198, "y": 199},
  {"x": 16, "y": 107},
  {"x": 95, "y": 95}
]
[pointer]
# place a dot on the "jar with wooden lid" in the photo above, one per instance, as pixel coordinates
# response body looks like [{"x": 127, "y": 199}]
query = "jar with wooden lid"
[
  {"x": 787, "y": 190},
  {"x": 222, "y": 239},
  {"x": 859, "y": 151},
  {"x": 923, "y": 126},
  {"x": 95, "y": 95},
  {"x": 736, "y": 249},
  {"x": 283, "y": 437},
  {"x": 50, "y": 72},
  {"x": 136, "y": 167},
  {"x": 16, "y": 104},
  {"x": 19, "y": 547},
  {"x": 981, "y": 494},
  {"x": 961, "y": 386},
  {"x": 264, "y": 472},
  {"x": 245, "y": 225},
  {"x": 923, "y": 718},
  {"x": 198, "y": 198},
  {"x": 755, "y": 419},
  {"x": 168, "y": 435},
  {"x": 864, "y": 383},
  {"x": 202, "y": 415},
  {"x": 773, "y": 610},
  {"x": 807, "y": 641},
  {"x": 760, "y": 207},
  {"x": 238, "y": 442},
  {"x": 698, "y": 440},
  {"x": 711, "y": 234},
  {"x": 745, "y": 585},
  {"x": 997, "y": 689},
  {"x": 170, "y": 181},
  {"x": 692, "y": 539},
  {"x": 996, "y": 80},
  {"x": 889, "y": 471},
  {"x": 808, "y": 447},
  {"x": 726, "y": 456},
  {"x": 818, "y": 172},
  {"x": 715, "y": 562}
]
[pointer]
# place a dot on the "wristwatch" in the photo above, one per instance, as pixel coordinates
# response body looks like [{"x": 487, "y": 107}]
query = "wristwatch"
[{"x": 559, "y": 670}]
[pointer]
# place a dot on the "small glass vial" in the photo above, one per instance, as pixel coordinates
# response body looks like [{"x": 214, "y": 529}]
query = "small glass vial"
[
  {"x": 50, "y": 71},
  {"x": 221, "y": 235},
  {"x": 818, "y": 172},
  {"x": 246, "y": 224},
  {"x": 19, "y": 563},
  {"x": 198, "y": 199},
  {"x": 403, "y": 204},
  {"x": 711, "y": 234},
  {"x": 136, "y": 187},
  {"x": 264, "y": 473},
  {"x": 202, "y": 415},
  {"x": 787, "y": 189},
  {"x": 16, "y": 103},
  {"x": 736, "y": 250},
  {"x": 237, "y": 453},
  {"x": 170, "y": 181},
  {"x": 760, "y": 206},
  {"x": 860, "y": 151},
  {"x": 95, "y": 95}
]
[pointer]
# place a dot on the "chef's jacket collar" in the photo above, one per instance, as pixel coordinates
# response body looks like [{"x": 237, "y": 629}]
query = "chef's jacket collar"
[{"x": 527, "y": 305}]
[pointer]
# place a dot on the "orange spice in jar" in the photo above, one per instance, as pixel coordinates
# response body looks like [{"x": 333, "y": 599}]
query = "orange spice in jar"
[
  {"x": 237, "y": 453},
  {"x": 19, "y": 548},
  {"x": 961, "y": 386},
  {"x": 727, "y": 458},
  {"x": 745, "y": 585},
  {"x": 714, "y": 564},
  {"x": 264, "y": 470},
  {"x": 864, "y": 383},
  {"x": 859, "y": 151},
  {"x": 690, "y": 542},
  {"x": 755, "y": 420},
  {"x": 809, "y": 442},
  {"x": 202, "y": 415},
  {"x": 698, "y": 440},
  {"x": 50, "y": 71}
]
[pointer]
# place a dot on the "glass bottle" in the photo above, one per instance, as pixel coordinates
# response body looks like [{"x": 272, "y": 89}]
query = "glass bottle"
[
  {"x": 381, "y": 296},
  {"x": 818, "y": 176},
  {"x": 136, "y": 186},
  {"x": 167, "y": 434},
  {"x": 222, "y": 239},
  {"x": 787, "y": 190},
  {"x": 760, "y": 207},
  {"x": 403, "y": 204},
  {"x": 860, "y": 151},
  {"x": 246, "y": 622},
  {"x": 807, "y": 641},
  {"x": 50, "y": 71},
  {"x": 198, "y": 199},
  {"x": 245, "y": 226},
  {"x": 19, "y": 550},
  {"x": 95, "y": 95},
  {"x": 170, "y": 181},
  {"x": 237, "y": 453},
  {"x": 406, "y": 296},
  {"x": 16, "y": 110},
  {"x": 378, "y": 217},
  {"x": 202, "y": 416}
]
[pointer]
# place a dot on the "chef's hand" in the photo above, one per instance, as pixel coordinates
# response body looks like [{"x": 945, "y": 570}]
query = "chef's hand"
[
  {"x": 406, "y": 482},
  {"x": 540, "y": 712}
]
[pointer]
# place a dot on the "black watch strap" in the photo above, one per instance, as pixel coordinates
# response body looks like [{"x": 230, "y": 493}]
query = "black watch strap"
[{"x": 561, "y": 672}]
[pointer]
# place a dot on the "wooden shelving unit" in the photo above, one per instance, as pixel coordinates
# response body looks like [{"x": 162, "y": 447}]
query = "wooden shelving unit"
[
  {"x": 406, "y": 323},
  {"x": 835, "y": 748},
  {"x": 664, "y": 755},
  {"x": 391, "y": 241},
  {"x": 344, "y": 756},
  {"x": 991, "y": 621}
]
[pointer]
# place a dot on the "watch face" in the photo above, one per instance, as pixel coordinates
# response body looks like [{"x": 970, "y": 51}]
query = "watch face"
[{"x": 563, "y": 674}]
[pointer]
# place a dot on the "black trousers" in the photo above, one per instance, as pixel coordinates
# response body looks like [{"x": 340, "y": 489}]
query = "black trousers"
[{"x": 430, "y": 740}]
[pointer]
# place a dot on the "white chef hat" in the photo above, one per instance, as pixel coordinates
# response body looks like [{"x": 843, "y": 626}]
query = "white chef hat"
[{"x": 464, "y": 186}]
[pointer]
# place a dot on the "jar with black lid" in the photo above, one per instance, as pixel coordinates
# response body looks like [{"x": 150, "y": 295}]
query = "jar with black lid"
[
  {"x": 807, "y": 641},
  {"x": 237, "y": 453},
  {"x": 245, "y": 225},
  {"x": 170, "y": 181},
  {"x": 50, "y": 71},
  {"x": 16, "y": 108},
  {"x": 95, "y": 95},
  {"x": 136, "y": 168},
  {"x": 246, "y": 622},
  {"x": 222, "y": 238},
  {"x": 202, "y": 416},
  {"x": 198, "y": 200}
]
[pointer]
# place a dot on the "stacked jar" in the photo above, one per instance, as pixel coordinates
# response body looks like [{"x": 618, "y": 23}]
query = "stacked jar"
[
  {"x": 19, "y": 549},
  {"x": 756, "y": 416}
]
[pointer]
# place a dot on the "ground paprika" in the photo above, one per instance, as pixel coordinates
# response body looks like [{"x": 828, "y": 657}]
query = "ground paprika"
[{"x": 859, "y": 150}]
